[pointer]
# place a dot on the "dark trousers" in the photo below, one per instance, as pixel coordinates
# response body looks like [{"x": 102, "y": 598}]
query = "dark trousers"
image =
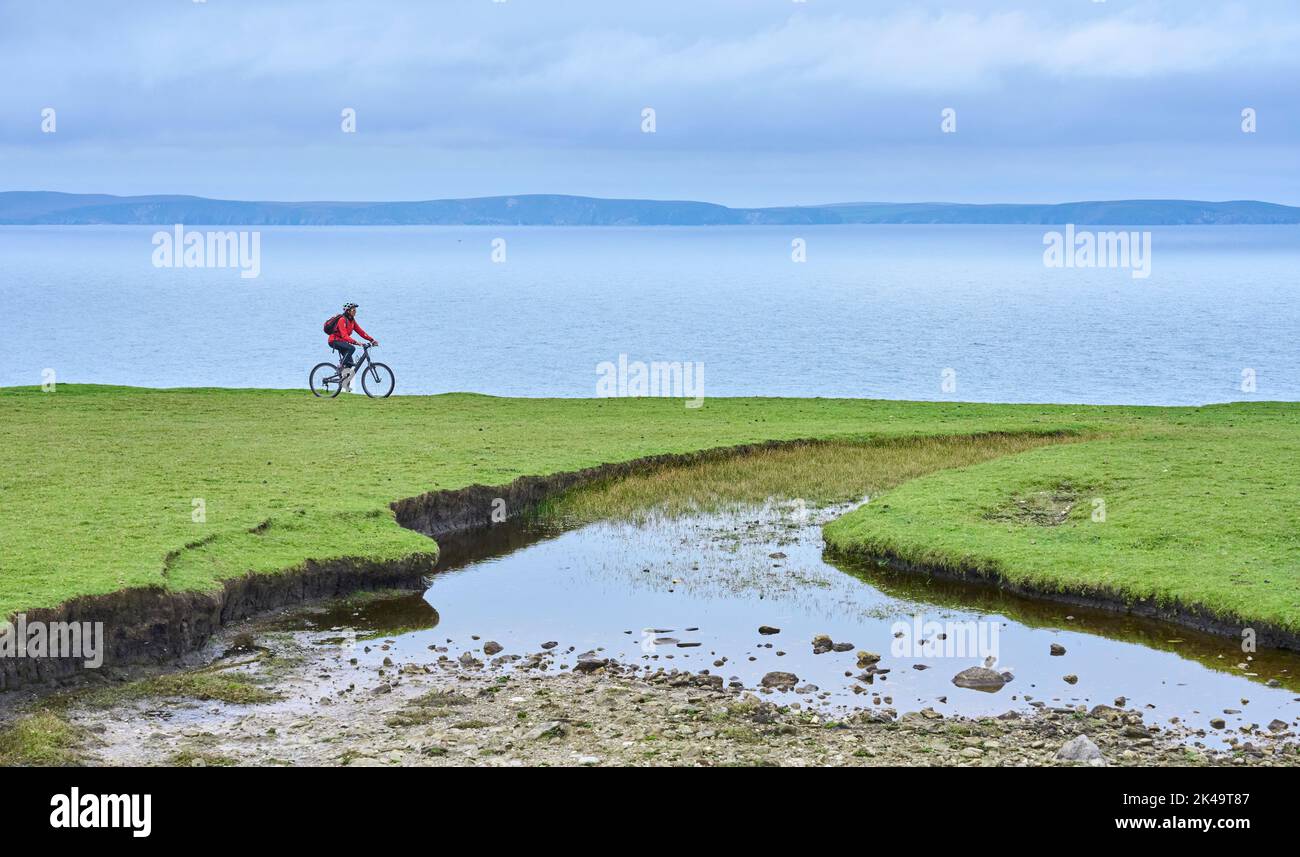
[{"x": 345, "y": 351}]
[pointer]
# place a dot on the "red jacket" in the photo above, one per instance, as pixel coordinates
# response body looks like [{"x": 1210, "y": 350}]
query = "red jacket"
[{"x": 343, "y": 331}]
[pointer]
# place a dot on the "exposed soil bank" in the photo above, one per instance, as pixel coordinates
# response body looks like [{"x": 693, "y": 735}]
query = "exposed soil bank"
[
  {"x": 1194, "y": 617},
  {"x": 153, "y": 625},
  {"x": 441, "y": 512}
]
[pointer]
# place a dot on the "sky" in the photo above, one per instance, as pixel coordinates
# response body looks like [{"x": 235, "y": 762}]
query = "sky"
[{"x": 756, "y": 102}]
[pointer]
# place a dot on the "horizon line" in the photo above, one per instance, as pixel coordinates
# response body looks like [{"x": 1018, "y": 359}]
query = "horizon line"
[{"x": 678, "y": 200}]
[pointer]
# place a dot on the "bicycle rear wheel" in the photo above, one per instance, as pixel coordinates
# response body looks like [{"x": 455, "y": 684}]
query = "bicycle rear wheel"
[
  {"x": 378, "y": 381},
  {"x": 324, "y": 380}
]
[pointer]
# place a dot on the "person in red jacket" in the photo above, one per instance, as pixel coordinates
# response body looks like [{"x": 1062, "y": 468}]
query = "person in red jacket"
[{"x": 341, "y": 339}]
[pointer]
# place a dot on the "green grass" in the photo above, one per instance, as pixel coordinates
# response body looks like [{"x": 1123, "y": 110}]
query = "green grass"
[
  {"x": 427, "y": 708},
  {"x": 196, "y": 758},
  {"x": 42, "y": 739},
  {"x": 1202, "y": 503},
  {"x": 204, "y": 684},
  {"x": 819, "y": 473},
  {"x": 1204, "y": 511}
]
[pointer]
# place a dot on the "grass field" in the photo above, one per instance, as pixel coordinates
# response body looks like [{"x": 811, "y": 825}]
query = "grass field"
[
  {"x": 1202, "y": 511},
  {"x": 1202, "y": 504}
]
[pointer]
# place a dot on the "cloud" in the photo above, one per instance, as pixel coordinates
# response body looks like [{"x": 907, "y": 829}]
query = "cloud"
[
  {"x": 544, "y": 81},
  {"x": 909, "y": 52}
]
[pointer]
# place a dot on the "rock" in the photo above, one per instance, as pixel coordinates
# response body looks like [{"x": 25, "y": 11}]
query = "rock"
[
  {"x": 1057, "y": 649},
  {"x": 842, "y": 647},
  {"x": 1070, "y": 679},
  {"x": 979, "y": 678},
  {"x": 777, "y": 555},
  {"x": 588, "y": 761},
  {"x": 242, "y": 642},
  {"x": 866, "y": 659},
  {"x": 768, "y": 630},
  {"x": 822, "y": 644},
  {"x": 807, "y": 688},
  {"x": 1120, "y": 701},
  {"x": 549, "y": 644},
  {"x": 549, "y": 729},
  {"x": 1106, "y": 712},
  {"x": 1217, "y": 723},
  {"x": 1080, "y": 749},
  {"x": 779, "y": 680},
  {"x": 590, "y": 664},
  {"x": 491, "y": 647},
  {"x": 1277, "y": 725}
]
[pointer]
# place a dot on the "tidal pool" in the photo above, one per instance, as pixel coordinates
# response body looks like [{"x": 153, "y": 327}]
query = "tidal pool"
[{"x": 690, "y": 591}]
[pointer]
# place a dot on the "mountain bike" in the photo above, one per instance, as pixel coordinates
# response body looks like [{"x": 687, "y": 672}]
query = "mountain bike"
[{"x": 326, "y": 379}]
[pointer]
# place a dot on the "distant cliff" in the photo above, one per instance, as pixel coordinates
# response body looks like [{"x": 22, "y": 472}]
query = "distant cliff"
[{"x": 40, "y": 207}]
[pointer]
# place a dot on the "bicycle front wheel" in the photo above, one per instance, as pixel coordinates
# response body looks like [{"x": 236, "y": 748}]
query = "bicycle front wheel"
[
  {"x": 324, "y": 380},
  {"x": 378, "y": 381}
]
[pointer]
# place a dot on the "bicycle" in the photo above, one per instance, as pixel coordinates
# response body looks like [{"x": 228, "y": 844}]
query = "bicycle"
[{"x": 326, "y": 379}]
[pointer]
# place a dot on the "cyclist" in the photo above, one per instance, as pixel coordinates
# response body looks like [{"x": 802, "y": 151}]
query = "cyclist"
[{"x": 341, "y": 341}]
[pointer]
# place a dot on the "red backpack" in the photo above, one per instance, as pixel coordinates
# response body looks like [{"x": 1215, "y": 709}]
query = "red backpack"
[{"x": 332, "y": 326}]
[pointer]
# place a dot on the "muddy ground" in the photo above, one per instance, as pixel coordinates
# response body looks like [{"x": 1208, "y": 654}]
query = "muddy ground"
[{"x": 272, "y": 697}]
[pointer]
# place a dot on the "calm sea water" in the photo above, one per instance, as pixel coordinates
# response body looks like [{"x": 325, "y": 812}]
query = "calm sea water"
[{"x": 875, "y": 311}]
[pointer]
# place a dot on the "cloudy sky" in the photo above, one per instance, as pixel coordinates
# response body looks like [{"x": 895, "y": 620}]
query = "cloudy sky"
[{"x": 758, "y": 102}]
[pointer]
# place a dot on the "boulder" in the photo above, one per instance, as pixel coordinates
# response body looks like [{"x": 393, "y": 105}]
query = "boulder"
[
  {"x": 979, "y": 678},
  {"x": 1080, "y": 748},
  {"x": 779, "y": 680}
]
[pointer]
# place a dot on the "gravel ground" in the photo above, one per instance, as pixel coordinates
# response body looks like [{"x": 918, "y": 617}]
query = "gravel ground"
[{"x": 526, "y": 710}]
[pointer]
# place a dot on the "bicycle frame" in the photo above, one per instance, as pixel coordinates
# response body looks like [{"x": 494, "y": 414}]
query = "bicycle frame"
[{"x": 357, "y": 367}]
